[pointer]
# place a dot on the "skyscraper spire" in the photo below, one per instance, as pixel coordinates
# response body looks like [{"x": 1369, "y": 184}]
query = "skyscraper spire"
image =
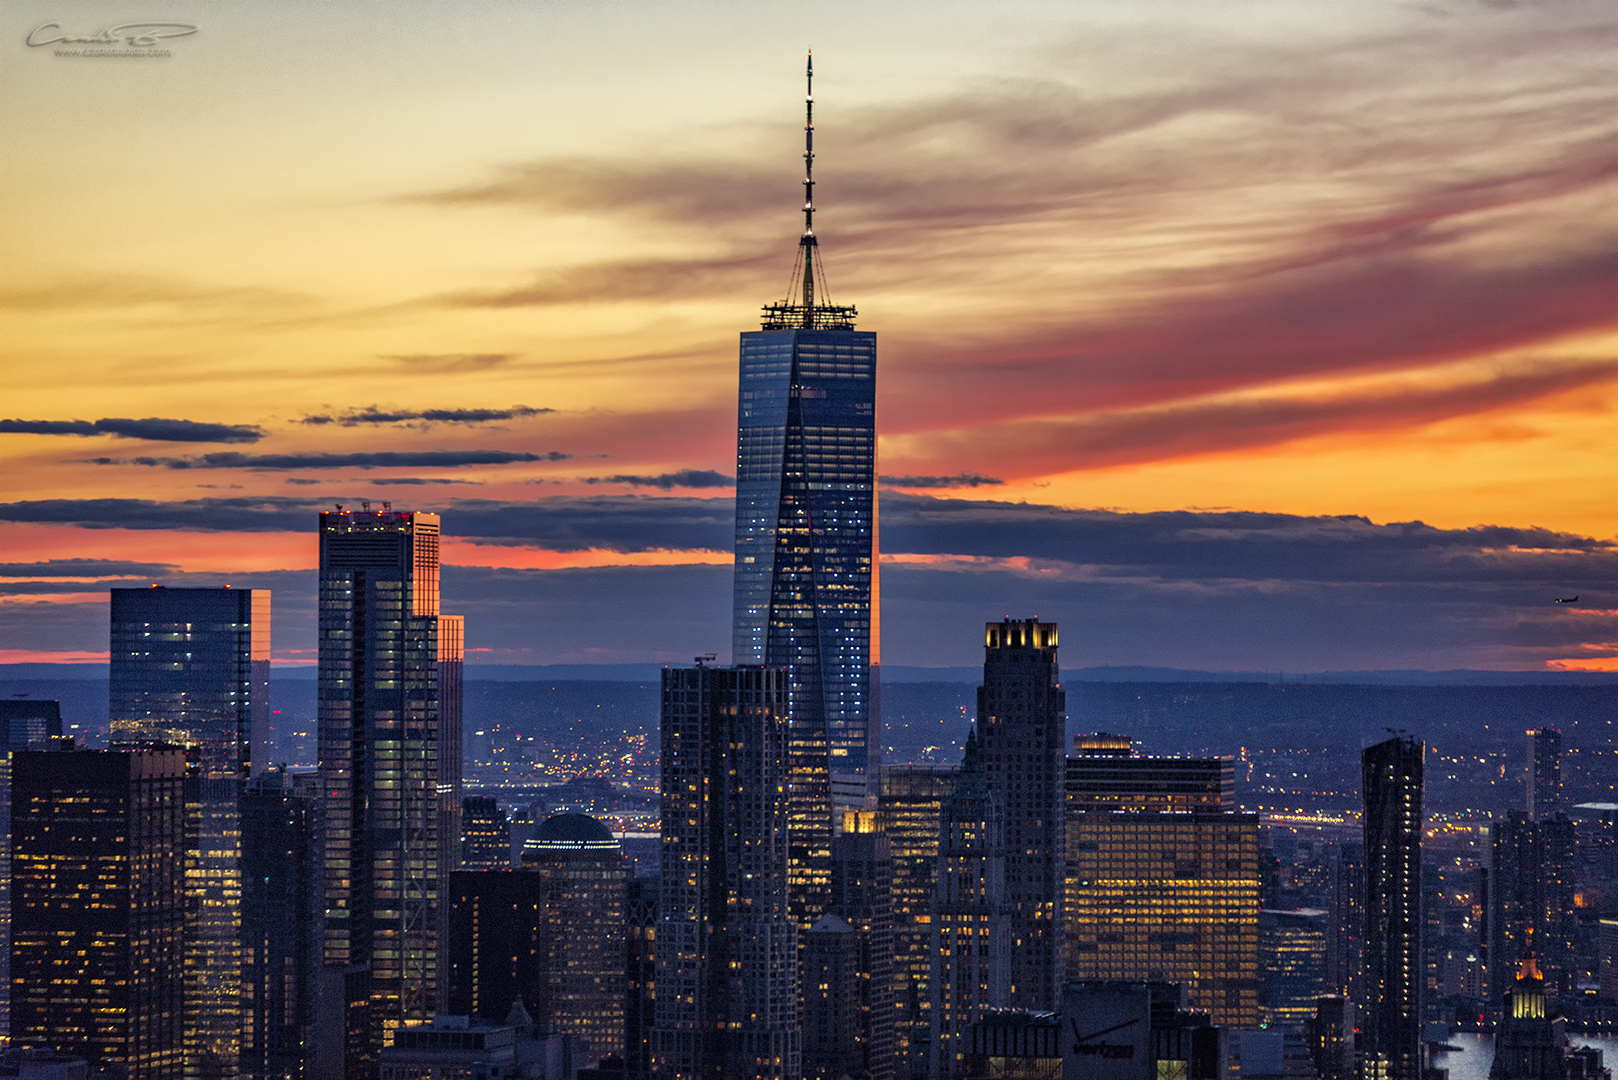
[
  {"x": 808, "y": 302},
  {"x": 808, "y": 240}
]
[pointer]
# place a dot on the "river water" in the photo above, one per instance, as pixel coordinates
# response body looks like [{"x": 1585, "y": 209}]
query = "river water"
[{"x": 1476, "y": 1054}]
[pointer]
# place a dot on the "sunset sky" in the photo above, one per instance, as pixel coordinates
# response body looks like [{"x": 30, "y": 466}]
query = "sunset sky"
[{"x": 1245, "y": 336}]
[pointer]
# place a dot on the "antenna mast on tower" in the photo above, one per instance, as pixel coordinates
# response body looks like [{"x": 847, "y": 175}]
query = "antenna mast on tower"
[{"x": 800, "y": 310}]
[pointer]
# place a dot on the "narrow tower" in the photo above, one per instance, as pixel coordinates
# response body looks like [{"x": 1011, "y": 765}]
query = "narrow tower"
[
  {"x": 1392, "y": 793},
  {"x": 806, "y": 546}
]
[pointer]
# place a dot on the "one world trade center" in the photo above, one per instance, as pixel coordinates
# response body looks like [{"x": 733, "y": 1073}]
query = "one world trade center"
[{"x": 806, "y": 545}]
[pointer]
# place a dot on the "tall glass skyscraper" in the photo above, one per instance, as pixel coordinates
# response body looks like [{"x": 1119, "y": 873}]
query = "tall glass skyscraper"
[
  {"x": 191, "y": 668},
  {"x": 806, "y": 547},
  {"x": 1391, "y": 785},
  {"x": 379, "y": 756}
]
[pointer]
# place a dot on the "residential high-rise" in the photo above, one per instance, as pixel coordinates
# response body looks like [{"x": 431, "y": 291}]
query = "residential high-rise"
[
  {"x": 1531, "y": 885},
  {"x": 1391, "y": 790},
  {"x": 191, "y": 668},
  {"x": 1544, "y": 774},
  {"x": 282, "y": 904},
  {"x": 911, "y": 811},
  {"x": 451, "y": 694},
  {"x": 640, "y": 974},
  {"x": 831, "y": 1001},
  {"x": 24, "y": 721},
  {"x": 1022, "y": 725},
  {"x": 98, "y": 907},
  {"x": 971, "y": 942},
  {"x": 583, "y": 875},
  {"x": 727, "y": 948},
  {"x": 1168, "y": 895},
  {"x": 806, "y": 547},
  {"x": 499, "y": 946},
  {"x": 379, "y": 749},
  {"x": 862, "y": 896}
]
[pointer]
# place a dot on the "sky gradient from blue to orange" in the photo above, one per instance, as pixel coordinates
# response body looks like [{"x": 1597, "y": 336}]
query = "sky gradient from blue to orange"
[{"x": 1338, "y": 268}]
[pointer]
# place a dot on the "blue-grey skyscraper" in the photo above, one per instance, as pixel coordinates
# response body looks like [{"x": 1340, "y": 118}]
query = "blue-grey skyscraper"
[
  {"x": 379, "y": 758},
  {"x": 806, "y": 546},
  {"x": 191, "y": 668}
]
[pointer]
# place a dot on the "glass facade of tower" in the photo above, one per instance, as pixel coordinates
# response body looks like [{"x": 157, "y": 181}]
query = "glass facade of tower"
[
  {"x": 1391, "y": 786},
  {"x": 806, "y": 567},
  {"x": 191, "y": 668},
  {"x": 378, "y": 712}
]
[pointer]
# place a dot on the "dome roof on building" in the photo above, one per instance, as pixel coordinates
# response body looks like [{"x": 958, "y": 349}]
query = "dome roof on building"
[{"x": 571, "y": 832}]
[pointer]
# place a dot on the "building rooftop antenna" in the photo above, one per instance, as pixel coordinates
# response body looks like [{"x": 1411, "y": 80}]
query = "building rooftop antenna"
[{"x": 803, "y": 308}]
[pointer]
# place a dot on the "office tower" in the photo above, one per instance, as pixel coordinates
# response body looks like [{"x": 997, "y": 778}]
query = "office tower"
[
  {"x": 475, "y": 1048},
  {"x": 582, "y": 873},
  {"x": 1530, "y": 1041},
  {"x": 1138, "y": 1030},
  {"x": 1105, "y": 774},
  {"x": 378, "y": 711},
  {"x": 1014, "y": 1043},
  {"x": 282, "y": 905},
  {"x": 1531, "y": 885},
  {"x": 98, "y": 907},
  {"x": 831, "y": 1001},
  {"x": 911, "y": 811},
  {"x": 1292, "y": 964},
  {"x": 485, "y": 834},
  {"x": 1347, "y": 920},
  {"x": 451, "y": 694},
  {"x": 1544, "y": 773},
  {"x": 727, "y": 948},
  {"x": 499, "y": 945},
  {"x": 1168, "y": 895},
  {"x": 806, "y": 547},
  {"x": 25, "y": 722},
  {"x": 1331, "y": 1038},
  {"x": 862, "y": 896},
  {"x": 1022, "y": 720},
  {"x": 640, "y": 974},
  {"x": 1391, "y": 789},
  {"x": 971, "y": 939},
  {"x": 191, "y": 668}
]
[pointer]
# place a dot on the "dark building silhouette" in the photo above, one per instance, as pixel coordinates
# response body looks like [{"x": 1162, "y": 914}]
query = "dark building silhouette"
[
  {"x": 1331, "y": 1038},
  {"x": 1391, "y": 789},
  {"x": 911, "y": 810},
  {"x": 832, "y": 1021},
  {"x": 1544, "y": 779},
  {"x": 1532, "y": 866},
  {"x": 640, "y": 974},
  {"x": 282, "y": 907},
  {"x": 1014, "y": 1043},
  {"x": 582, "y": 875},
  {"x": 485, "y": 834},
  {"x": 1137, "y": 1030},
  {"x": 970, "y": 931},
  {"x": 806, "y": 547},
  {"x": 378, "y": 704},
  {"x": 1347, "y": 920},
  {"x": 862, "y": 896},
  {"x": 499, "y": 944},
  {"x": 25, "y": 722},
  {"x": 98, "y": 907},
  {"x": 727, "y": 947},
  {"x": 191, "y": 668},
  {"x": 1022, "y": 724}
]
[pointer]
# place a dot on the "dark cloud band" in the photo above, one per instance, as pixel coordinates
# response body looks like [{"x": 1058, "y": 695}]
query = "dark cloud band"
[
  {"x": 387, "y": 459},
  {"x": 959, "y": 480},
  {"x": 683, "y": 478},
  {"x": 380, "y": 417},
  {"x": 152, "y": 428}
]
